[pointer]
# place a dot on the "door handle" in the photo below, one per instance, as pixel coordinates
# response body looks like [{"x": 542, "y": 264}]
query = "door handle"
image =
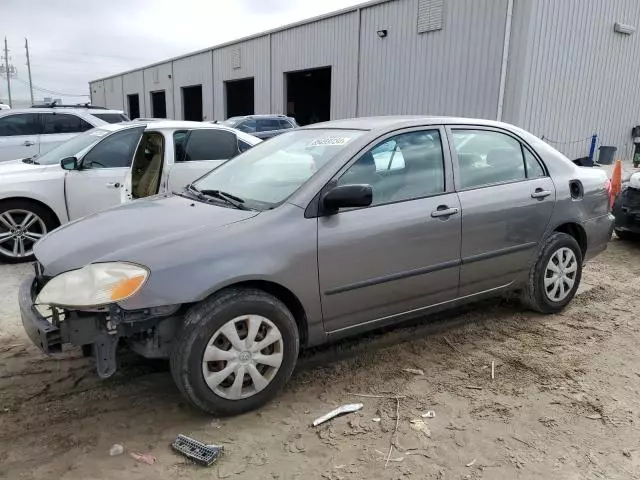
[
  {"x": 28, "y": 143},
  {"x": 444, "y": 211},
  {"x": 540, "y": 193},
  {"x": 113, "y": 185}
]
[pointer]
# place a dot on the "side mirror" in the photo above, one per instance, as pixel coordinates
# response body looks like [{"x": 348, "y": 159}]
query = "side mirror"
[
  {"x": 69, "y": 163},
  {"x": 347, "y": 196}
]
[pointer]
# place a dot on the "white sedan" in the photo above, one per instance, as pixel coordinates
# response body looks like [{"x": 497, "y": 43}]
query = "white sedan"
[{"x": 87, "y": 173}]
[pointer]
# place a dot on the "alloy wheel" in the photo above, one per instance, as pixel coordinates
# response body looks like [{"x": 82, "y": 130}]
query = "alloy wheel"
[
  {"x": 560, "y": 274},
  {"x": 19, "y": 231},
  {"x": 242, "y": 357}
]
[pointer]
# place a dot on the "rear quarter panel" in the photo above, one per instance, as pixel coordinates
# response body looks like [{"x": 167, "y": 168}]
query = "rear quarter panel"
[{"x": 591, "y": 211}]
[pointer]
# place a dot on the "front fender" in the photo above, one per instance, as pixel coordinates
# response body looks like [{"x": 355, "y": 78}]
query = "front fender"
[{"x": 279, "y": 246}]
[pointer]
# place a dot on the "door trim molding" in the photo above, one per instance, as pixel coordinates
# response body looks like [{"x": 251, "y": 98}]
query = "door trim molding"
[
  {"x": 369, "y": 325},
  {"x": 497, "y": 253},
  {"x": 392, "y": 277}
]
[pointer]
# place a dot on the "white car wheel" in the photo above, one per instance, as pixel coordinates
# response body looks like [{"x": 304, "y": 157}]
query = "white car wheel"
[
  {"x": 242, "y": 357},
  {"x": 560, "y": 274}
]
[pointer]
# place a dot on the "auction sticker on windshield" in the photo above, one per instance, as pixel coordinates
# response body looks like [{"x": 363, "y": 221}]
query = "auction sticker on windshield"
[{"x": 326, "y": 141}]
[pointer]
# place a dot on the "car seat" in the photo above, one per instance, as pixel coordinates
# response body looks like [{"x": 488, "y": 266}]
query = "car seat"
[{"x": 150, "y": 180}]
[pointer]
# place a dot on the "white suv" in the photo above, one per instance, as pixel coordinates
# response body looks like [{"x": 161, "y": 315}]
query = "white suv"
[{"x": 27, "y": 132}]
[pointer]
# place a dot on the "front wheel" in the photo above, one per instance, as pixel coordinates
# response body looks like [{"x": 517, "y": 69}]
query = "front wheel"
[
  {"x": 22, "y": 224},
  {"x": 235, "y": 351},
  {"x": 555, "y": 277}
]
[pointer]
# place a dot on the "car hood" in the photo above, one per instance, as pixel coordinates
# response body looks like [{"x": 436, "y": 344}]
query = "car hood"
[
  {"x": 119, "y": 233},
  {"x": 18, "y": 167}
]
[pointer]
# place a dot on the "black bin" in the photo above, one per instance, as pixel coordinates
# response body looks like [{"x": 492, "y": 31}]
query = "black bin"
[{"x": 606, "y": 155}]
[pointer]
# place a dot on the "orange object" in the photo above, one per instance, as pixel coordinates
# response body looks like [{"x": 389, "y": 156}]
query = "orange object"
[
  {"x": 616, "y": 180},
  {"x": 126, "y": 288}
]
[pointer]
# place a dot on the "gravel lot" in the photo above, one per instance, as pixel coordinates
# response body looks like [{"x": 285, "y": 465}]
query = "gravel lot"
[{"x": 564, "y": 402}]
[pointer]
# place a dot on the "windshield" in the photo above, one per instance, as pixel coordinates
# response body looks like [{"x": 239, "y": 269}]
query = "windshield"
[
  {"x": 270, "y": 172},
  {"x": 73, "y": 147}
]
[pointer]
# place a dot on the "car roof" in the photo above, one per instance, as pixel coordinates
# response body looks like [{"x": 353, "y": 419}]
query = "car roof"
[
  {"x": 402, "y": 121},
  {"x": 261, "y": 115},
  {"x": 180, "y": 125},
  {"x": 89, "y": 111},
  {"x": 173, "y": 124}
]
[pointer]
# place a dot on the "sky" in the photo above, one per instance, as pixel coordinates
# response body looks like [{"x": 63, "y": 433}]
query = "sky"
[{"x": 72, "y": 42}]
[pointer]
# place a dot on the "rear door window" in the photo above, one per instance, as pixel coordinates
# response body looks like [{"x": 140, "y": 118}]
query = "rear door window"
[
  {"x": 63, "y": 123},
  {"x": 487, "y": 157},
  {"x": 20, "y": 124},
  {"x": 210, "y": 144}
]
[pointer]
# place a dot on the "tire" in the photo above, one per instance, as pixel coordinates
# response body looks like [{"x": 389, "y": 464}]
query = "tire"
[
  {"x": 623, "y": 234},
  {"x": 203, "y": 325},
  {"x": 535, "y": 295},
  {"x": 13, "y": 213}
]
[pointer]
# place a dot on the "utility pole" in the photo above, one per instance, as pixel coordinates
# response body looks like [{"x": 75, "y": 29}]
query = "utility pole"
[
  {"x": 26, "y": 46},
  {"x": 8, "y": 70}
]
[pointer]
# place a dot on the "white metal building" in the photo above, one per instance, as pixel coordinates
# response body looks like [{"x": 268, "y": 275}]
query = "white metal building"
[{"x": 563, "y": 69}]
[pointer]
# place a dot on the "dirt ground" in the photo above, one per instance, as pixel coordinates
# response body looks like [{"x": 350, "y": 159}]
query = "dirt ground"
[{"x": 565, "y": 401}]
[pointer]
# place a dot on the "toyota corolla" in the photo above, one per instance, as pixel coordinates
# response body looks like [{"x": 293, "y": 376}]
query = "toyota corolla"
[{"x": 319, "y": 233}]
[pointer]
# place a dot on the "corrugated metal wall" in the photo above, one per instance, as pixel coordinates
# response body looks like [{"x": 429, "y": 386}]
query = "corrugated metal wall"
[
  {"x": 191, "y": 71},
  {"x": 97, "y": 93},
  {"x": 330, "y": 42},
  {"x": 133, "y": 83},
  {"x": 113, "y": 93},
  {"x": 453, "y": 71},
  {"x": 242, "y": 60},
  {"x": 582, "y": 76},
  {"x": 158, "y": 78}
]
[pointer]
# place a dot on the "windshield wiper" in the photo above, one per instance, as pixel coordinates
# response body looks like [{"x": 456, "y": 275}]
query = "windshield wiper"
[
  {"x": 228, "y": 198},
  {"x": 194, "y": 191}
]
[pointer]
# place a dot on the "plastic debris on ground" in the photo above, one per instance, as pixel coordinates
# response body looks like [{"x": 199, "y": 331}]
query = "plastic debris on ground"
[
  {"x": 197, "y": 451},
  {"x": 116, "y": 450},
  {"x": 144, "y": 458},
  {"x": 350, "y": 408}
]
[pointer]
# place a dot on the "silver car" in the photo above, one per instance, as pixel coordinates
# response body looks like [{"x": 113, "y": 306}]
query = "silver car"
[{"x": 319, "y": 233}]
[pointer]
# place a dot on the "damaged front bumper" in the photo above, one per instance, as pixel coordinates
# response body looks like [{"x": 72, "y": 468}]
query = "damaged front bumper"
[
  {"x": 626, "y": 210},
  {"x": 149, "y": 332}
]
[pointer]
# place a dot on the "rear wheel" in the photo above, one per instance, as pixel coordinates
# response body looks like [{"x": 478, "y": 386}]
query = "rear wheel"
[
  {"x": 555, "y": 277},
  {"x": 22, "y": 224},
  {"x": 235, "y": 352}
]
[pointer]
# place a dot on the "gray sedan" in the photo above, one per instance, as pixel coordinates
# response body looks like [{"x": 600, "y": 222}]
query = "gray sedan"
[{"x": 319, "y": 233}]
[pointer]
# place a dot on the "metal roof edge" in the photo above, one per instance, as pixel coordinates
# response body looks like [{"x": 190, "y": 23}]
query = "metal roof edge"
[{"x": 266, "y": 33}]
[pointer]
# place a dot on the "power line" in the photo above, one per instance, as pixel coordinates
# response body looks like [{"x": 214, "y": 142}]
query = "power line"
[
  {"x": 46, "y": 90},
  {"x": 93, "y": 55}
]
